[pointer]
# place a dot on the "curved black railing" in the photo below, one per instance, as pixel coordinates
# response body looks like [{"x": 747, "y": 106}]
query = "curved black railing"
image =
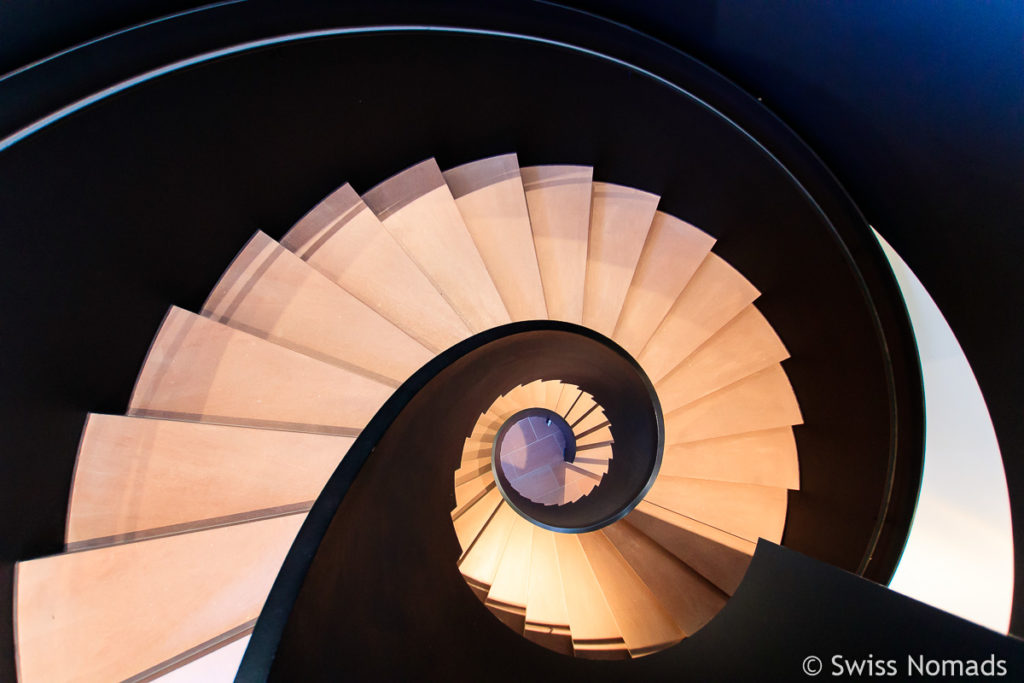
[{"x": 461, "y": 382}]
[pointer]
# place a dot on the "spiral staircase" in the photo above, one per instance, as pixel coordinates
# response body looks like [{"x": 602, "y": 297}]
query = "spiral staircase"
[
  {"x": 182, "y": 511},
  {"x": 324, "y": 461}
]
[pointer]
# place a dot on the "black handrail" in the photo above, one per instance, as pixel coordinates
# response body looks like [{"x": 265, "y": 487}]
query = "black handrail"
[{"x": 577, "y": 354}]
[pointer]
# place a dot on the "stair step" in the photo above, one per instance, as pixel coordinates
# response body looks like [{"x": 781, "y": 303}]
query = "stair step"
[
  {"x": 595, "y": 418},
  {"x": 139, "y": 477},
  {"x": 490, "y": 197},
  {"x": 600, "y": 435},
  {"x": 558, "y": 199},
  {"x": 714, "y": 295},
  {"x": 476, "y": 448},
  {"x": 764, "y": 400},
  {"x": 720, "y": 557},
  {"x": 510, "y": 590},
  {"x": 113, "y": 613},
  {"x": 580, "y": 409},
  {"x": 745, "y": 345},
  {"x": 645, "y": 626},
  {"x": 568, "y": 396},
  {"x": 620, "y": 218},
  {"x": 471, "y": 520},
  {"x": 344, "y": 240},
  {"x": 480, "y": 562},
  {"x": 552, "y": 392},
  {"x": 767, "y": 458},
  {"x": 690, "y": 599},
  {"x": 578, "y": 482},
  {"x": 272, "y": 294},
  {"x": 536, "y": 393},
  {"x": 418, "y": 209},
  {"x": 745, "y": 510},
  {"x": 547, "y": 618},
  {"x": 672, "y": 253},
  {"x": 488, "y": 423},
  {"x": 505, "y": 406},
  {"x": 476, "y": 469},
  {"x": 203, "y": 371},
  {"x": 594, "y": 631},
  {"x": 594, "y": 460},
  {"x": 467, "y": 494}
]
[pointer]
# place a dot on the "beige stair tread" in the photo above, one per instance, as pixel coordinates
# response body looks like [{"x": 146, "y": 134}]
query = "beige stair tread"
[
  {"x": 687, "y": 597},
  {"x": 602, "y": 435},
  {"x": 580, "y": 408},
  {"x": 569, "y": 394},
  {"x": 672, "y": 253},
  {"x": 521, "y": 395},
  {"x": 111, "y": 613},
  {"x": 200, "y": 370},
  {"x": 579, "y": 482},
  {"x": 476, "y": 448},
  {"x": 271, "y": 293},
  {"x": 471, "y": 471},
  {"x": 506, "y": 405},
  {"x": 344, "y": 240},
  {"x": 547, "y": 618},
  {"x": 590, "y": 619},
  {"x": 484, "y": 441},
  {"x": 418, "y": 209},
  {"x": 537, "y": 393},
  {"x": 620, "y": 218},
  {"x": 768, "y": 458},
  {"x": 489, "y": 194},
  {"x": 471, "y": 491},
  {"x": 558, "y": 198},
  {"x": 594, "y": 460},
  {"x": 714, "y": 295},
  {"x": 552, "y": 392},
  {"x": 487, "y": 424},
  {"x": 589, "y": 421},
  {"x": 511, "y": 585},
  {"x": 469, "y": 524},
  {"x": 745, "y": 510},
  {"x": 595, "y": 418},
  {"x": 139, "y": 477},
  {"x": 764, "y": 400},
  {"x": 720, "y": 557},
  {"x": 644, "y": 625},
  {"x": 480, "y": 562},
  {"x": 747, "y": 344}
]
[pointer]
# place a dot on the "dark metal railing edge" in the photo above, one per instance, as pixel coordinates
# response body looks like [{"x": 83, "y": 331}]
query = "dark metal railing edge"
[{"x": 261, "y": 651}]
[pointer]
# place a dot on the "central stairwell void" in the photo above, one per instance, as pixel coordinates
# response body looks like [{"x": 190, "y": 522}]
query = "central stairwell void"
[{"x": 674, "y": 412}]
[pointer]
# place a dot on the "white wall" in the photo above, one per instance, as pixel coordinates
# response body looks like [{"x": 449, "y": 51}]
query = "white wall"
[{"x": 959, "y": 555}]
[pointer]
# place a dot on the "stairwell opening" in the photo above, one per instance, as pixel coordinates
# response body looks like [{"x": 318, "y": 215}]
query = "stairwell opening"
[{"x": 535, "y": 450}]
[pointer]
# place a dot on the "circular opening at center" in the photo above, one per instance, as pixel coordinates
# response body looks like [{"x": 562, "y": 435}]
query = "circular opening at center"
[{"x": 535, "y": 453}]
